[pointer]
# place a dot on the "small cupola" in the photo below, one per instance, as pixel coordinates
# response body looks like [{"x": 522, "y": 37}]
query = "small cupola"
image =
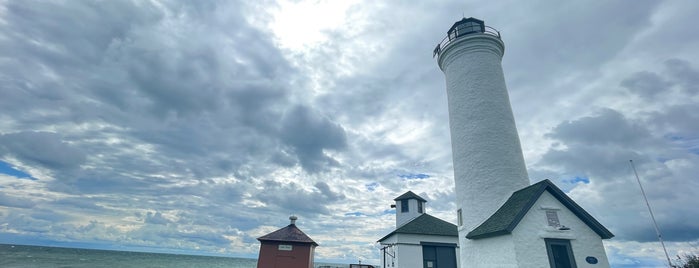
[
  {"x": 408, "y": 206},
  {"x": 466, "y": 26}
]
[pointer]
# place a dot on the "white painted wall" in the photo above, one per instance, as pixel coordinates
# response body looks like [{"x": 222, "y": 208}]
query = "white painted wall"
[
  {"x": 529, "y": 236},
  {"x": 496, "y": 251},
  {"x": 408, "y": 251},
  {"x": 405, "y": 217},
  {"x": 488, "y": 161},
  {"x": 526, "y": 247}
]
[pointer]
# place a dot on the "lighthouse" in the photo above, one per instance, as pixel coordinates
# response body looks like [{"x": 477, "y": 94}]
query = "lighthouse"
[
  {"x": 503, "y": 221},
  {"x": 488, "y": 161}
]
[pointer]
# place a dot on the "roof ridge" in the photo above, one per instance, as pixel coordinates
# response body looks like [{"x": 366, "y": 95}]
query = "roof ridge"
[
  {"x": 426, "y": 224},
  {"x": 409, "y": 195},
  {"x": 290, "y": 233}
]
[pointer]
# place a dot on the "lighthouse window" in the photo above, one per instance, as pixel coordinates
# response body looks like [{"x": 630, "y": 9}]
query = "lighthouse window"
[
  {"x": 404, "y": 205},
  {"x": 469, "y": 27},
  {"x": 466, "y": 28}
]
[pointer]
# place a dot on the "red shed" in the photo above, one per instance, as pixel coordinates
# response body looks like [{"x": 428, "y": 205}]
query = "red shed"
[{"x": 287, "y": 247}]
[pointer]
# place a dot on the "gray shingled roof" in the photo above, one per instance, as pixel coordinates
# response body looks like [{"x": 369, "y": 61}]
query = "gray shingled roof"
[
  {"x": 290, "y": 233},
  {"x": 409, "y": 195},
  {"x": 505, "y": 219},
  {"x": 427, "y": 225}
]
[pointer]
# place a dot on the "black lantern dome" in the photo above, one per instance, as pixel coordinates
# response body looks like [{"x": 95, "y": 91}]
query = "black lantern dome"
[{"x": 466, "y": 26}]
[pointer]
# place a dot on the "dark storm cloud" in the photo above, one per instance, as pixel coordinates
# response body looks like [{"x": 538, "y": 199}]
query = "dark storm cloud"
[
  {"x": 52, "y": 49},
  {"x": 676, "y": 72},
  {"x": 41, "y": 148},
  {"x": 15, "y": 201},
  {"x": 54, "y": 32},
  {"x": 167, "y": 76},
  {"x": 173, "y": 108},
  {"x": 554, "y": 47},
  {"x": 684, "y": 73},
  {"x": 672, "y": 121},
  {"x": 292, "y": 198},
  {"x": 646, "y": 84},
  {"x": 609, "y": 127},
  {"x": 596, "y": 146},
  {"x": 309, "y": 134}
]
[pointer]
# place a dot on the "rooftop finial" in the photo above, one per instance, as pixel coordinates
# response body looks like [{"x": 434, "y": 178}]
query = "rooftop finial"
[{"x": 293, "y": 219}]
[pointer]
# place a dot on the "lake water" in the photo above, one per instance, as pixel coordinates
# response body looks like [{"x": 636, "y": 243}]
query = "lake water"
[{"x": 16, "y": 256}]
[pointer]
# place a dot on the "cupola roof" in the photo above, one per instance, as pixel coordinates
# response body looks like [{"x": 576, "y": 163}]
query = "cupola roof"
[
  {"x": 290, "y": 233},
  {"x": 410, "y": 195}
]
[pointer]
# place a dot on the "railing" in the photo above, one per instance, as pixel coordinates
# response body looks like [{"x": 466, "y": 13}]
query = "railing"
[{"x": 448, "y": 39}]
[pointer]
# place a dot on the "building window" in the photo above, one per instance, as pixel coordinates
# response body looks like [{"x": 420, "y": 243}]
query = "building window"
[
  {"x": 552, "y": 218},
  {"x": 459, "y": 218},
  {"x": 419, "y": 207},
  {"x": 404, "y": 205}
]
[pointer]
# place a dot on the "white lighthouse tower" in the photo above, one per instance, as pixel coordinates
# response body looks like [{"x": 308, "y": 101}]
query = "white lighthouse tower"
[
  {"x": 488, "y": 161},
  {"x": 502, "y": 220}
]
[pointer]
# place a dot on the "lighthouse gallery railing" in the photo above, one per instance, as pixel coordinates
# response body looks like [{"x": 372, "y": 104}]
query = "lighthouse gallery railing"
[{"x": 448, "y": 39}]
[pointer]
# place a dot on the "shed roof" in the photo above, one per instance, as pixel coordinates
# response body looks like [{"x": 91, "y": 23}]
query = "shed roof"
[
  {"x": 410, "y": 195},
  {"x": 505, "y": 219},
  {"x": 290, "y": 233},
  {"x": 426, "y": 224}
]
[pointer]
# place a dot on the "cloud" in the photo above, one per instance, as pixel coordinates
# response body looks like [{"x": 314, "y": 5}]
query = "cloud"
[
  {"x": 15, "y": 201},
  {"x": 595, "y": 146},
  {"x": 598, "y": 148},
  {"x": 414, "y": 176},
  {"x": 156, "y": 218},
  {"x": 293, "y": 199},
  {"x": 200, "y": 114},
  {"x": 46, "y": 149},
  {"x": 646, "y": 84},
  {"x": 309, "y": 134},
  {"x": 683, "y": 72},
  {"x": 608, "y": 128}
]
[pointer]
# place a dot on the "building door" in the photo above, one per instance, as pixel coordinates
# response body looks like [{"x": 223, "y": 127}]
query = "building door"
[
  {"x": 434, "y": 256},
  {"x": 560, "y": 253}
]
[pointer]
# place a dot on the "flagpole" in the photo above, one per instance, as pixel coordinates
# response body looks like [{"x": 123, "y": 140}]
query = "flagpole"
[{"x": 655, "y": 224}]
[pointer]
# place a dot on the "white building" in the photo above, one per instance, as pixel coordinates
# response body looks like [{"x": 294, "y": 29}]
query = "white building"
[
  {"x": 419, "y": 240},
  {"x": 539, "y": 226},
  {"x": 502, "y": 221}
]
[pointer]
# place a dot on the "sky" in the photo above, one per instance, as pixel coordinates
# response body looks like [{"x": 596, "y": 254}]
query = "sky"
[{"x": 198, "y": 126}]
